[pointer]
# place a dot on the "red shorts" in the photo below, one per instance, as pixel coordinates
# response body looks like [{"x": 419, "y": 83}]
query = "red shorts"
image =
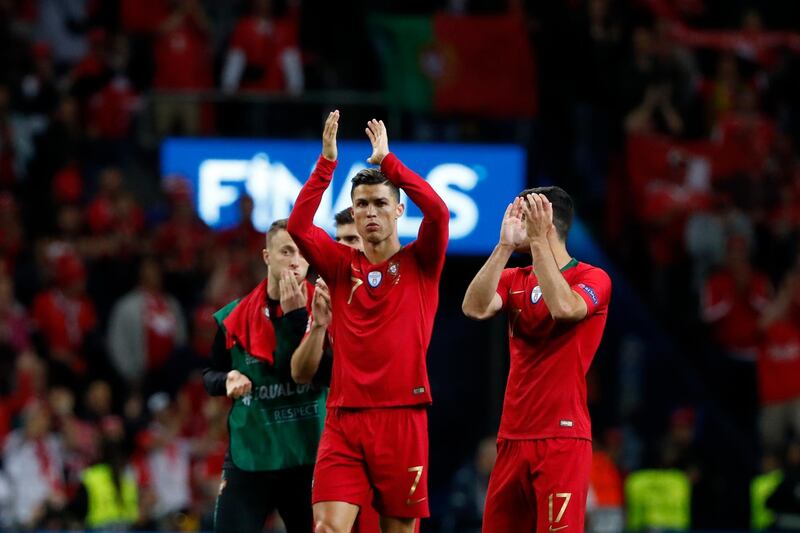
[
  {"x": 385, "y": 450},
  {"x": 538, "y": 485}
]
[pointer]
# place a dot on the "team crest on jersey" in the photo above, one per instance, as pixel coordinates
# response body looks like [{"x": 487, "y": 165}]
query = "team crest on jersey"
[
  {"x": 374, "y": 278},
  {"x": 536, "y": 294}
]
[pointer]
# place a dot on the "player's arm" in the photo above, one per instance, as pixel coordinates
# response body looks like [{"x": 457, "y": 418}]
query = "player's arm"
[
  {"x": 306, "y": 358},
  {"x": 562, "y": 301},
  {"x": 434, "y": 230},
  {"x": 218, "y": 378},
  {"x": 314, "y": 243},
  {"x": 482, "y": 300}
]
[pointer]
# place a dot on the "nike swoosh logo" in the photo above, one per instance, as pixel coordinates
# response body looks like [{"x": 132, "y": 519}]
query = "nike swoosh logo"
[
  {"x": 517, "y": 292},
  {"x": 558, "y": 528},
  {"x": 414, "y": 502}
]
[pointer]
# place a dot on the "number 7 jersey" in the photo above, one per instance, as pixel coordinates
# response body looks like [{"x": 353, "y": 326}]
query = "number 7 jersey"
[{"x": 382, "y": 313}]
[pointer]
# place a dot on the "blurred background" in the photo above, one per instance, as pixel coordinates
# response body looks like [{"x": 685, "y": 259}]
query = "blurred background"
[{"x": 674, "y": 124}]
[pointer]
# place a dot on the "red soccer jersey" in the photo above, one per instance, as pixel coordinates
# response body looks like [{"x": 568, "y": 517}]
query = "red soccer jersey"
[
  {"x": 546, "y": 390},
  {"x": 383, "y": 313}
]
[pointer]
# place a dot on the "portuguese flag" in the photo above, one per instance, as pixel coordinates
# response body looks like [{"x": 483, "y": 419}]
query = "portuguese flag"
[{"x": 458, "y": 64}]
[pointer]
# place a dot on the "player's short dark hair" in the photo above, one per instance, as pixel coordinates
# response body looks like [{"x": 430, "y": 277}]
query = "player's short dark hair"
[
  {"x": 373, "y": 176},
  {"x": 563, "y": 208},
  {"x": 275, "y": 227},
  {"x": 344, "y": 217}
]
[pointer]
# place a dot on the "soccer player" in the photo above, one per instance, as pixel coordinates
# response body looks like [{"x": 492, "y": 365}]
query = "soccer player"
[
  {"x": 556, "y": 315},
  {"x": 274, "y": 424},
  {"x": 384, "y": 302},
  {"x": 312, "y": 359}
]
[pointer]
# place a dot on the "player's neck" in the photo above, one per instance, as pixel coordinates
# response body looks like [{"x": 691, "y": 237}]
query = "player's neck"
[
  {"x": 381, "y": 251},
  {"x": 560, "y": 253},
  {"x": 273, "y": 287}
]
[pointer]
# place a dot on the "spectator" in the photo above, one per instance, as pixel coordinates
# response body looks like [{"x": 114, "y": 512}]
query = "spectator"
[
  {"x": 24, "y": 382},
  {"x": 146, "y": 329},
  {"x": 14, "y": 320},
  {"x": 785, "y": 501},
  {"x": 708, "y": 236},
  {"x": 97, "y": 401},
  {"x": 108, "y": 495},
  {"x": 604, "y": 509},
  {"x": 79, "y": 437},
  {"x": 656, "y": 113},
  {"x": 91, "y": 72},
  {"x": 658, "y": 499},
  {"x": 733, "y": 300},
  {"x": 779, "y": 366},
  {"x": 114, "y": 216},
  {"x": 182, "y": 63},
  {"x": 166, "y": 469},
  {"x": 243, "y": 236},
  {"x": 33, "y": 461},
  {"x": 65, "y": 317},
  {"x": 468, "y": 491},
  {"x": 182, "y": 243},
  {"x": 723, "y": 91},
  {"x": 761, "y": 488},
  {"x": 263, "y": 53},
  {"x": 63, "y": 23},
  {"x": 37, "y": 94}
]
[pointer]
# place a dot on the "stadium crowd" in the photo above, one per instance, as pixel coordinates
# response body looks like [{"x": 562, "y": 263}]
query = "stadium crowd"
[{"x": 675, "y": 125}]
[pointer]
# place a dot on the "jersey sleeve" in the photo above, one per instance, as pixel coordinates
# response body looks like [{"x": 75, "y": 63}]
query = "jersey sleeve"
[
  {"x": 322, "y": 252},
  {"x": 594, "y": 286},
  {"x": 504, "y": 286},
  {"x": 434, "y": 230}
]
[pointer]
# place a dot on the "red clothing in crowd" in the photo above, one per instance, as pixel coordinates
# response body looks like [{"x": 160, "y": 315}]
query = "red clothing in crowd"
[
  {"x": 63, "y": 321},
  {"x": 160, "y": 325},
  {"x": 182, "y": 59},
  {"x": 779, "y": 362},
  {"x": 263, "y": 42},
  {"x": 143, "y": 16},
  {"x": 748, "y": 139},
  {"x": 91, "y": 66},
  {"x": 112, "y": 109},
  {"x": 732, "y": 312},
  {"x": 105, "y": 215},
  {"x": 180, "y": 244},
  {"x": 606, "y": 480}
]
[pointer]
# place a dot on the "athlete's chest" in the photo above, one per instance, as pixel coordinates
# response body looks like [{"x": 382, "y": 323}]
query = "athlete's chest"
[
  {"x": 365, "y": 285},
  {"x": 528, "y": 314}
]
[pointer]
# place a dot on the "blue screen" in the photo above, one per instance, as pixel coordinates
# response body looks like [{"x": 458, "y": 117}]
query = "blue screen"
[{"x": 476, "y": 181}]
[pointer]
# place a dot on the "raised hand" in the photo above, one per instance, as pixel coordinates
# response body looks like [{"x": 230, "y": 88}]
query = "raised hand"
[
  {"x": 376, "y": 131},
  {"x": 321, "y": 304},
  {"x": 293, "y": 294},
  {"x": 512, "y": 230},
  {"x": 329, "y": 151},
  {"x": 538, "y": 216}
]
